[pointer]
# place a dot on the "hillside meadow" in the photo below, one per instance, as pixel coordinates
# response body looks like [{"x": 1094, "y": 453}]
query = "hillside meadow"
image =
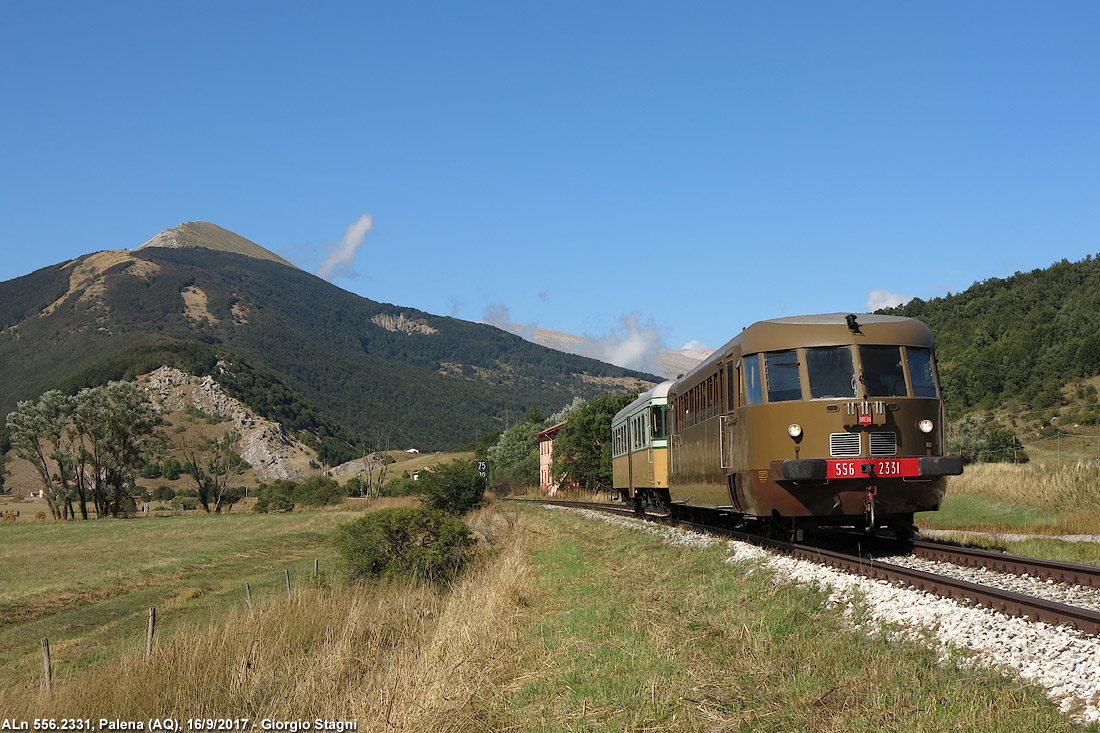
[{"x": 564, "y": 623}]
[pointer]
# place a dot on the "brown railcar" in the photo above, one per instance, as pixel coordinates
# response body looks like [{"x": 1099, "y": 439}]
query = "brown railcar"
[{"x": 829, "y": 419}]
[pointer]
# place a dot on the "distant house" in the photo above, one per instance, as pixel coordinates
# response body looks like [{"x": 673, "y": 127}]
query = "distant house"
[
  {"x": 412, "y": 450},
  {"x": 546, "y": 458},
  {"x": 36, "y": 494}
]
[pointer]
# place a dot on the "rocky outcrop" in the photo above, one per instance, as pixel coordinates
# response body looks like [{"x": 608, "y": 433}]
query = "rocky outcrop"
[
  {"x": 399, "y": 323},
  {"x": 271, "y": 451}
]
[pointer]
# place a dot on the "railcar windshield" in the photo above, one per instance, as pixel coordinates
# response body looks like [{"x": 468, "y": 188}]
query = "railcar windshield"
[
  {"x": 832, "y": 373},
  {"x": 783, "y": 381},
  {"x": 921, "y": 371},
  {"x": 882, "y": 371}
]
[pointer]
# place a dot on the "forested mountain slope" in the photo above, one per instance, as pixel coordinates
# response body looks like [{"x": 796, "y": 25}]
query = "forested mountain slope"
[
  {"x": 1016, "y": 341},
  {"x": 395, "y": 375}
]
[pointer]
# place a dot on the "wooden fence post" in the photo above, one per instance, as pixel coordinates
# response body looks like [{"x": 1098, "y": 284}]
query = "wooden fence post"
[
  {"x": 315, "y": 561},
  {"x": 287, "y": 574},
  {"x": 149, "y": 632},
  {"x": 47, "y": 671},
  {"x": 248, "y": 595}
]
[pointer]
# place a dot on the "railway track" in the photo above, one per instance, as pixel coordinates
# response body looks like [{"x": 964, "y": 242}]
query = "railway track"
[
  {"x": 1008, "y": 602},
  {"x": 1060, "y": 572}
]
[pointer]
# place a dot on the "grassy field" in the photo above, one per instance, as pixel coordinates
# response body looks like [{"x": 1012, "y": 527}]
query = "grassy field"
[
  {"x": 1033, "y": 498},
  {"x": 87, "y": 586},
  {"x": 564, "y": 624}
]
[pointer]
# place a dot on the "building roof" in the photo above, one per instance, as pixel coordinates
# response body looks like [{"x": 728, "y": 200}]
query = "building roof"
[{"x": 549, "y": 432}]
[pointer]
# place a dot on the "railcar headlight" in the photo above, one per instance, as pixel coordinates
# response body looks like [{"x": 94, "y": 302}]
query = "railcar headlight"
[
  {"x": 925, "y": 426},
  {"x": 794, "y": 430}
]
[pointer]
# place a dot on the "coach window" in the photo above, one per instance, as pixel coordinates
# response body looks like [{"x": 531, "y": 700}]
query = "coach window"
[
  {"x": 832, "y": 375},
  {"x": 920, "y": 371},
  {"x": 657, "y": 413},
  {"x": 731, "y": 385},
  {"x": 722, "y": 390},
  {"x": 782, "y": 371},
  {"x": 882, "y": 371},
  {"x": 754, "y": 392}
]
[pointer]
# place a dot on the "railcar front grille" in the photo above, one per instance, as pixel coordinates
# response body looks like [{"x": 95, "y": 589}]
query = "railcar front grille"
[
  {"x": 884, "y": 444},
  {"x": 844, "y": 444}
]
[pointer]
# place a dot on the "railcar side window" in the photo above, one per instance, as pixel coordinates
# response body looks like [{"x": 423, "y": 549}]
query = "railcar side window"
[
  {"x": 832, "y": 374},
  {"x": 920, "y": 371},
  {"x": 783, "y": 381},
  {"x": 731, "y": 386},
  {"x": 882, "y": 371},
  {"x": 658, "y": 414},
  {"x": 754, "y": 392}
]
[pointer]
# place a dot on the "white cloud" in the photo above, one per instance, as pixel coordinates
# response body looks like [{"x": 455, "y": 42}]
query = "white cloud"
[
  {"x": 498, "y": 315},
  {"x": 337, "y": 262},
  {"x": 885, "y": 299},
  {"x": 633, "y": 345}
]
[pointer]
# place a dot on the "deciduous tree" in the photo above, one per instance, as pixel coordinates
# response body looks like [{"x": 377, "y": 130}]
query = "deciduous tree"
[
  {"x": 213, "y": 471},
  {"x": 582, "y": 448},
  {"x": 37, "y": 428}
]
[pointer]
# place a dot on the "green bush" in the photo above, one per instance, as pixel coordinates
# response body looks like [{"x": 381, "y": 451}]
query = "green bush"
[
  {"x": 232, "y": 495},
  {"x": 453, "y": 487},
  {"x": 318, "y": 491},
  {"x": 150, "y": 469},
  {"x": 402, "y": 485},
  {"x": 184, "y": 502},
  {"x": 524, "y": 472},
  {"x": 353, "y": 486},
  {"x": 171, "y": 469},
  {"x": 274, "y": 497},
  {"x": 983, "y": 440},
  {"x": 418, "y": 543},
  {"x": 163, "y": 493}
]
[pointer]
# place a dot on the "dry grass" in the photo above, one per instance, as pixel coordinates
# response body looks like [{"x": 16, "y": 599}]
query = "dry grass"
[
  {"x": 398, "y": 656},
  {"x": 1030, "y": 484},
  {"x": 1048, "y": 498},
  {"x": 564, "y": 624}
]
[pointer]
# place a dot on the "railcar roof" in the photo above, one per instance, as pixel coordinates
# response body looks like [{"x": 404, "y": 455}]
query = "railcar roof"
[
  {"x": 661, "y": 390},
  {"x": 840, "y": 319},
  {"x": 823, "y": 329}
]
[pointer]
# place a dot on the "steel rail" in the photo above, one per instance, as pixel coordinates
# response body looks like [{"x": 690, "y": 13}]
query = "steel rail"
[
  {"x": 1061, "y": 572},
  {"x": 1007, "y": 602}
]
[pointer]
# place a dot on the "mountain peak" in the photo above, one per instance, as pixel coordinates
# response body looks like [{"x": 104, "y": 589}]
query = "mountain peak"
[{"x": 211, "y": 236}]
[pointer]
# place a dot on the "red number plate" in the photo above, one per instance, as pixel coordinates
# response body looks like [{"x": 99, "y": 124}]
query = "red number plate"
[{"x": 884, "y": 467}]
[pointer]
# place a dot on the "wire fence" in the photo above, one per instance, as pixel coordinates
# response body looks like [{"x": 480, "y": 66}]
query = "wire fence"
[{"x": 1071, "y": 447}]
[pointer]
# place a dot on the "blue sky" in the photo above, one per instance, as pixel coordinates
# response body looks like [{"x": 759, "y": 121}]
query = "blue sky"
[{"x": 688, "y": 167}]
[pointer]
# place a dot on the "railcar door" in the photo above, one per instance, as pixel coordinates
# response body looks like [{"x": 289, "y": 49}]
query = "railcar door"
[
  {"x": 728, "y": 381},
  {"x": 730, "y": 432},
  {"x": 630, "y": 457}
]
